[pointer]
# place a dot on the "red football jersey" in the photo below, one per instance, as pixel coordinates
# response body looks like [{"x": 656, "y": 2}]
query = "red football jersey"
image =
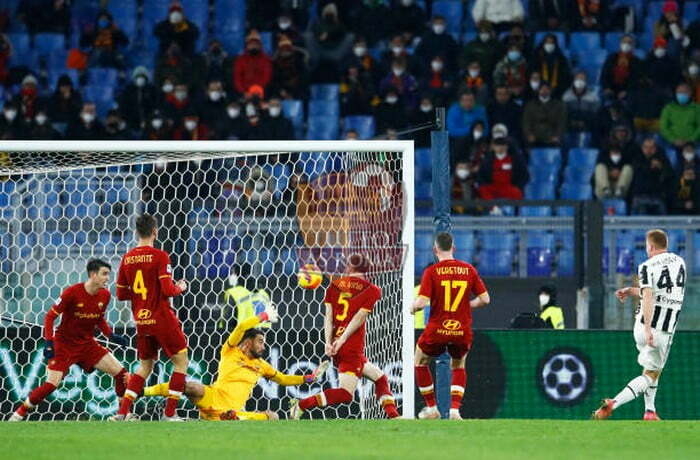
[
  {"x": 450, "y": 285},
  {"x": 81, "y": 314},
  {"x": 145, "y": 280},
  {"x": 347, "y": 296}
]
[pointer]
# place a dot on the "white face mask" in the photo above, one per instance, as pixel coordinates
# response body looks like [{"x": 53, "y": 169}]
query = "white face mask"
[
  {"x": 484, "y": 36},
  {"x": 87, "y": 117},
  {"x": 233, "y": 112},
  {"x": 40, "y": 119},
  {"x": 250, "y": 110},
  {"x": 549, "y": 48},
  {"x": 579, "y": 83},
  {"x": 180, "y": 95},
  {"x": 407, "y": 2},
  {"x": 660, "y": 52},
  {"x": 425, "y": 108},
  {"x": 397, "y": 50},
  {"x": 190, "y": 125},
  {"x": 436, "y": 66},
  {"x": 694, "y": 69},
  {"x": 157, "y": 123},
  {"x": 167, "y": 87},
  {"x": 274, "y": 111},
  {"x": 175, "y": 17},
  {"x": 359, "y": 51},
  {"x": 284, "y": 24},
  {"x": 689, "y": 156},
  {"x": 391, "y": 99},
  {"x": 140, "y": 82},
  {"x": 10, "y": 114},
  {"x": 544, "y": 300},
  {"x": 535, "y": 85},
  {"x": 438, "y": 28},
  {"x": 501, "y": 155},
  {"x": 462, "y": 173},
  {"x": 398, "y": 71},
  {"x": 478, "y": 134},
  {"x": 474, "y": 73},
  {"x": 625, "y": 47},
  {"x": 498, "y": 134},
  {"x": 214, "y": 95},
  {"x": 545, "y": 98},
  {"x": 615, "y": 158}
]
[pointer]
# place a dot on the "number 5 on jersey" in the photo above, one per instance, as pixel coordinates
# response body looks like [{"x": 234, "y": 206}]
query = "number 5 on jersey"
[
  {"x": 449, "y": 286},
  {"x": 139, "y": 286},
  {"x": 343, "y": 300}
]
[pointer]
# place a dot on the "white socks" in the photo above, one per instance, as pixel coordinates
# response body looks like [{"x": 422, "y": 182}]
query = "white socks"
[
  {"x": 634, "y": 388},
  {"x": 650, "y": 397}
]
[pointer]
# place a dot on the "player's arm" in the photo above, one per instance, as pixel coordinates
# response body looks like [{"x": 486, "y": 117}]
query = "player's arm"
[
  {"x": 419, "y": 304},
  {"x": 165, "y": 278},
  {"x": 482, "y": 297},
  {"x": 625, "y": 292},
  {"x": 107, "y": 331},
  {"x": 54, "y": 312},
  {"x": 481, "y": 300},
  {"x": 355, "y": 323},
  {"x": 424, "y": 292},
  {"x": 286, "y": 380},
  {"x": 270, "y": 314},
  {"x": 647, "y": 308},
  {"x": 123, "y": 289},
  {"x": 328, "y": 329}
]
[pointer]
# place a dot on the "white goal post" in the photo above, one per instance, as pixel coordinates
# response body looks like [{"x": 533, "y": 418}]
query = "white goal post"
[{"x": 233, "y": 214}]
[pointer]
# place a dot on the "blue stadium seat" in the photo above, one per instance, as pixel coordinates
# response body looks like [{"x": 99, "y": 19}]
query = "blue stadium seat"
[
  {"x": 654, "y": 10},
  {"x": 125, "y": 13},
  {"x": 564, "y": 211},
  {"x": 591, "y": 58},
  {"x": 54, "y": 75},
  {"x": 535, "y": 211},
  {"x": 102, "y": 96},
  {"x": 197, "y": 11},
  {"x": 544, "y": 174},
  {"x": 498, "y": 240},
  {"x": 468, "y": 36},
  {"x": 540, "y": 254},
  {"x": 580, "y": 139},
  {"x": 424, "y": 241},
  {"x": 153, "y": 12},
  {"x": 578, "y": 175},
  {"x": 293, "y": 109},
  {"x": 363, "y": 124},
  {"x": 290, "y": 266},
  {"x": 565, "y": 262},
  {"x": 540, "y": 191},
  {"x": 676, "y": 240},
  {"x": 424, "y": 191},
  {"x": 582, "y": 42},
  {"x": 691, "y": 12},
  {"x": 576, "y": 192},
  {"x": 496, "y": 262},
  {"x": 322, "y": 128},
  {"x": 615, "y": 207},
  {"x": 46, "y": 43},
  {"x": 464, "y": 239},
  {"x": 422, "y": 260},
  {"x": 465, "y": 254},
  {"x": 583, "y": 157},
  {"x": 268, "y": 46},
  {"x": 611, "y": 43},
  {"x": 20, "y": 43},
  {"x": 423, "y": 165},
  {"x": 316, "y": 164},
  {"x": 327, "y": 92},
  {"x": 561, "y": 37},
  {"x": 324, "y": 108},
  {"x": 102, "y": 76},
  {"x": 452, "y": 12},
  {"x": 539, "y": 157}
]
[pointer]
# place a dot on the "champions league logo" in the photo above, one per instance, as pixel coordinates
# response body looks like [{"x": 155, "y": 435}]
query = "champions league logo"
[{"x": 564, "y": 375}]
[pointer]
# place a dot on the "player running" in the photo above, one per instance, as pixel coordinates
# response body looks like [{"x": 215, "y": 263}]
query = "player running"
[
  {"x": 447, "y": 287},
  {"x": 240, "y": 367},
  {"x": 145, "y": 280},
  {"x": 82, "y": 307},
  {"x": 349, "y": 301},
  {"x": 661, "y": 290}
]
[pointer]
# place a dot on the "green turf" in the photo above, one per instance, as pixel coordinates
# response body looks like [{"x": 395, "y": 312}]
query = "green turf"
[{"x": 405, "y": 439}]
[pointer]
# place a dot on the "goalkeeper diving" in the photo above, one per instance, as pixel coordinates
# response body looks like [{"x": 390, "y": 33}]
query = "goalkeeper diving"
[{"x": 240, "y": 367}]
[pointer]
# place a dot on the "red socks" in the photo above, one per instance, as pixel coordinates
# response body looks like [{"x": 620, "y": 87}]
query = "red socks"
[
  {"x": 175, "y": 389},
  {"x": 120, "y": 383},
  {"x": 459, "y": 382},
  {"x": 328, "y": 397},
  {"x": 133, "y": 390},
  {"x": 425, "y": 385},
  {"x": 37, "y": 395},
  {"x": 385, "y": 397}
]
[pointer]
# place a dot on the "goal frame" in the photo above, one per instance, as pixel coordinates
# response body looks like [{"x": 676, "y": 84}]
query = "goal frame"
[{"x": 406, "y": 148}]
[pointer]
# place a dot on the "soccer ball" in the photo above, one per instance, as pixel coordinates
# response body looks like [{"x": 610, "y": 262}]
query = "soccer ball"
[
  {"x": 565, "y": 377},
  {"x": 309, "y": 277}
]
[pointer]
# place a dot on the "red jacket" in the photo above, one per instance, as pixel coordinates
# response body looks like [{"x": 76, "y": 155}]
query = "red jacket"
[{"x": 251, "y": 70}]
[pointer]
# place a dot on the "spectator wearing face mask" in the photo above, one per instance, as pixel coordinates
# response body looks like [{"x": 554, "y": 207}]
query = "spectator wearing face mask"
[
  {"x": 177, "y": 103},
  {"x": 533, "y": 89},
  {"x": 437, "y": 42},
  {"x": 11, "y": 124},
  {"x": 663, "y": 70},
  {"x": 368, "y": 68},
  {"x": 138, "y": 99},
  {"x": 254, "y": 128},
  {"x": 503, "y": 110},
  {"x": 550, "y": 313},
  {"x": 157, "y": 127},
  {"x": 328, "y": 42},
  {"x": 463, "y": 187},
  {"x": 177, "y": 29},
  {"x": 550, "y": 14},
  {"x": 115, "y": 127},
  {"x": 215, "y": 61},
  {"x": 613, "y": 174},
  {"x": 503, "y": 174},
  {"x": 285, "y": 27},
  {"x": 474, "y": 80},
  {"x": 544, "y": 119},
  {"x": 501, "y": 13},
  {"x": 612, "y": 114},
  {"x": 485, "y": 49},
  {"x": 396, "y": 49},
  {"x": 582, "y": 104},
  {"x": 41, "y": 129},
  {"x": 407, "y": 19},
  {"x": 511, "y": 71},
  {"x": 402, "y": 82},
  {"x": 461, "y": 116},
  {"x": 105, "y": 42},
  {"x": 278, "y": 127},
  {"x": 28, "y": 98},
  {"x": 653, "y": 181},
  {"x": 212, "y": 108},
  {"x": 290, "y": 72},
  {"x": 477, "y": 145},
  {"x": 423, "y": 114},
  {"x": 87, "y": 127},
  {"x": 520, "y": 37},
  {"x": 357, "y": 91},
  {"x": 438, "y": 81},
  {"x": 175, "y": 66},
  {"x": 390, "y": 113},
  {"x": 680, "y": 119},
  {"x": 670, "y": 28},
  {"x": 234, "y": 124},
  {"x": 191, "y": 129},
  {"x": 552, "y": 65},
  {"x": 687, "y": 195},
  {"x": 691, "y": 76},
  {"x": 253, "y": 67},
  {"x": 65, "y": 103},
  {"x": 621, "y": 70}
]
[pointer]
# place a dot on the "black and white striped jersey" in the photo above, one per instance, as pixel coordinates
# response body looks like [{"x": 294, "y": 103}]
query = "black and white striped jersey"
[{"x": 665, "y": 274}]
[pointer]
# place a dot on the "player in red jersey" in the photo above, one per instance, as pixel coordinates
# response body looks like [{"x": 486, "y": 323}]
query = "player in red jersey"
[
  {"x": 145, "y": 280},
  {"x": 447, "y": 287},
  {"x": 82, "y": 307},
  {"x": 349, "y": 301}
]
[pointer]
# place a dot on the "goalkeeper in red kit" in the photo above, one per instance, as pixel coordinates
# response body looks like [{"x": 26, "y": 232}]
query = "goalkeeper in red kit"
[
  {"x": 145, "y": 280},
  {"x": 447, "y": 287},
  {"x": 349, "y": 301},
  {"x": 82, "y": 308}
]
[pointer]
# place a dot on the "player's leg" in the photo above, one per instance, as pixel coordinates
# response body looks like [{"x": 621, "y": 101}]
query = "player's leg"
[
  {"x": 382, "y": 389},
  {"x": 134, "y": 387},
  {"x": 329, "y": 397},
  {"x": 176, "y": 386},
  {"x": 193, "y": 390},
  {"x": 650, "y": 400},
  {"x": 424, "y": 379},
  {"x": 109, "y": 365},
  {"x": 38, "y": 394},
  {"x": 458, "y": 384}
]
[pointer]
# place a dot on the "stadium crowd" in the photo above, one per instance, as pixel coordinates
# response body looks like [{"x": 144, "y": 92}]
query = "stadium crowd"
[{"x": 618, "y": 76}]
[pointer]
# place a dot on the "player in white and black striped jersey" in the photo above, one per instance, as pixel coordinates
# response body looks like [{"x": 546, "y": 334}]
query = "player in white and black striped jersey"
[{"x": 661, "y": 290}]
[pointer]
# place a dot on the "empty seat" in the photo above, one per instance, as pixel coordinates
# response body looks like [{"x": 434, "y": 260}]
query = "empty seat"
[
  {"x": 464, "y": 239},
  {"x": 691, "y": 12},
  {"x": 535, "y": 211},
  {"x": 540, "y": 254},
  {"x": 498, "y": 240},
  {"x": 578, "y": 175},
  {"x": 496, "y": 262},
  {"x": 540, "y": 191},
  {"x": 266, "y": 39},
  {"x": 581, "y": 42},
  {"x": 46, "y": 43},
  {"x": 583, "y": 157},
  {"x": 546, "y": 174},
  {"x": 322, "y": 128},
  {"x": 452, "y": 12},
  {"x": 293, "y": 109},
  {"x": 328, "y": 92},
  {"x": 545, "y": 156},
  {"x": 612, "y": 41},
  {"x": 424, "y": 191},
  {"x": 102, "y": 76},
  {"x": 464, "y": 254},
  {"x": 561, "y": 37},
  {"x": 424, "y": 241},
  {"x": 324, "y": 108},
  {"x": 615, "y": 207},
  {"x": 590, "y": 58},
  {"x": 364, "y": 125},
  {"x": 565, "y": 262},
  {"x": 20, "y": 43},
  {"x": 576, "y": 192},
  {"x": 422, "y": 260},
  {"x": 102, "y": 96}
]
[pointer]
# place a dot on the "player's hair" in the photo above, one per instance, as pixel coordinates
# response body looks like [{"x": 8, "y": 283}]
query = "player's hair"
[
  {"x": 443, "y": 241},
  {"x": 658, "y": 238},
  {"x": 357, "y": 263},
  {"x": 94, "y": 265},
  {"x": 252, "y": 333},
  {"x": 145, "y": 225}
]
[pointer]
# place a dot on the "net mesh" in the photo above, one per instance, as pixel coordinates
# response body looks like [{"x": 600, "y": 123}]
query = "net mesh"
[{"x": 228, "y": 220}]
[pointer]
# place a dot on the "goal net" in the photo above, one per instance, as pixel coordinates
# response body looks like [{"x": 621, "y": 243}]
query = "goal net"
[{"x": 238, "y": 219}]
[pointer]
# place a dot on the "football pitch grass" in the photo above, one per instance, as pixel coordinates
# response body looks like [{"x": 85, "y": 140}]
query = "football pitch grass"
[{"x": 334, "y": 439}]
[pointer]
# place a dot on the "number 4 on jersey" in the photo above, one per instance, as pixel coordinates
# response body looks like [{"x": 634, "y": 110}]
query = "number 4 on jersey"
[{"x": 139, "y": 286}]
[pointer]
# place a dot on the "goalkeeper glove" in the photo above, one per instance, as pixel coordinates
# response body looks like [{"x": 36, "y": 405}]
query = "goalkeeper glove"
[
  {"x": 270, "y": 314},
  {"x": 317, "y": 374},
  {"x": 119, "y": 339},
  {"x": 48, "y": 349}
]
